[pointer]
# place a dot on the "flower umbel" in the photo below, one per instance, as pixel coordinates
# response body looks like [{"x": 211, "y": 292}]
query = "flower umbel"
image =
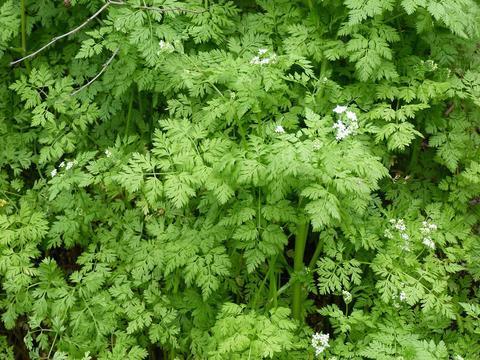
[
  {"x": 399, "y": 225},
  {"x": 351, "y": 115},
  {"x": 340, "y": 109},
  {"x": 344, "y": 125},
  {"x": 320, "y": 342},
  {"x": 279, "y": 129},
  {"x": 165, "y": 47},
  {"x": 426, "y": 229},
  {"x": 347, "y": 296},
  {"x": 428, "y": 242},
  {"x": 262, "y": 59}
]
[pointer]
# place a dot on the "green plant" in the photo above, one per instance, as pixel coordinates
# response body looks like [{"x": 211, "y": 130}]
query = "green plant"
[{"x": 240, "y": 179}]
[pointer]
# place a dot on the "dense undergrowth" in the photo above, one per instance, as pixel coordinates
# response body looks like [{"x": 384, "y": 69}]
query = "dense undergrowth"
[{"x": 239, "y": 179}]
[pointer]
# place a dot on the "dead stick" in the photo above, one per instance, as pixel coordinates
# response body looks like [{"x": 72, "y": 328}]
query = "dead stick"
[
  {"x": 162, "y": 10},
  {"x": 102, "y": 70},
  {"x": 55, "y": 39}
]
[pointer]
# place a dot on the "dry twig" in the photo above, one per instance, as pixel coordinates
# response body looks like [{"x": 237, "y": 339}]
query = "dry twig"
[
  {"x": 73, "y": 31},
  {"x": 99, "y": 11},
  {"x": 102, "y": 70}
]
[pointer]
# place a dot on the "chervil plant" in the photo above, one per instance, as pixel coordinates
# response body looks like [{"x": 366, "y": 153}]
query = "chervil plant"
[{"x": 239, "y": 179}]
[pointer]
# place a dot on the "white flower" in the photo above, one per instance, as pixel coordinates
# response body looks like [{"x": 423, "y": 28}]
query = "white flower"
[
  {"x": 428, "y": 227},
  {"x": 260, "y": 59},
  {"x": 255, "y": 60},
  {"x": 431, "y": 65},
  {"x": 340, "y": 109},
  {"x": 402, "y": 296},
  {"x": 344, "y": 126},
  {"x": 279, "y": 129},
  {"x": 351, "y": 115},
  {"x": 317, "y": 145},
  {"x": 347, "y": 296},
  {"x": 62, "y": 164},
  {"x": 108, "y": 153},
  {"x": 405, "y": 236},
  {"x": 320, "y": 342},
  {"x": 400, "y": 225},
  {"x": 165, "y": 47},
  {"x": 69, "y": 165},
  {"x": 428, "y": 242},
  {"x": 406, "y": 246},
  {"x": 342, "y": 130},
  {"x": 53, "y": 173}
]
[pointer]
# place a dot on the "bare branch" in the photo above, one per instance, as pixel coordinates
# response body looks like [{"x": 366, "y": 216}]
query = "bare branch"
[
  {"x": 55, "y": 39},
  {"x": 102, "y": 70},
  {"x": 163, "y": 10},
  {"x": 99, "y": 11}
]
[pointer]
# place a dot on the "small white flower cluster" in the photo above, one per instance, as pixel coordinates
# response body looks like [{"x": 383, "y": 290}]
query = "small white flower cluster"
[
  {"x": 165, "y": 47},
  {"x": 345, "y": 125},
  {"x": 262, "y": 59},
  {"x": 402, "y": 297},
  {"x": 426, "y": 229},
  {"x": 430, "y": 65},
  {"x": 279, "y": 129},
  {"x": 108, "y": 153},
  {"x": 320, "y": 342},
  {"x": 347, "y": 296},
  {"x": 68, "y": 165},
  {"x": 399, "y": 224}
]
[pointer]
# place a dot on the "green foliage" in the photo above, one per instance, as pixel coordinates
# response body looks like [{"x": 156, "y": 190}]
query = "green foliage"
[{"x": 223, "y": 179}]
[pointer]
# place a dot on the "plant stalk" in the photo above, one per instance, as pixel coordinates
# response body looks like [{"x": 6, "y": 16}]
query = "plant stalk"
[
  {"x": 23, "y": 15},
  {"x": 129, "y": 115},
  {"x": 273, "y": 283},
  {"x": 316, "y": 254},
  {"x": 298, "y": 267}
]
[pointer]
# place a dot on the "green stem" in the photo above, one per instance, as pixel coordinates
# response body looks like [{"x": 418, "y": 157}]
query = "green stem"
[
  {"x": 273, "y": 283},
  {"x": 24, "y": 32},
  {"x": 298, "y": 267},
  {"x": 316, "y": 254},
  {"x": 314, "y": 12},
  {"x": 129, "y": 115},
  {"x": 176, "y": 282},
  {"x": 415, "y": 154},
  {"x": 260, "y": 288}
]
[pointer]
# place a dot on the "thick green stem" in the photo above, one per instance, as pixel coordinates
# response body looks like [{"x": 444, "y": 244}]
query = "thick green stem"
[
  {"x": 273, "y": 283},
  {"x": 316, "y": 254},
  {"x": 298, "y": 267},
  {"x": 23, "y": 15},
  {"x": 415, "y": 154}
]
